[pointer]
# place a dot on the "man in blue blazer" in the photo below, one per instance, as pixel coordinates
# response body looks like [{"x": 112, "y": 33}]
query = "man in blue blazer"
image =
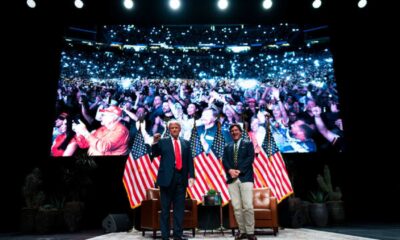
[
  {"x": 238, "y": 163},
  {"x": 176, "y": 166}
]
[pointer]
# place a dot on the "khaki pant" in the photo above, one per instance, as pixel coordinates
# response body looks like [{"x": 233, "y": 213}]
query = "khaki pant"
[{"x": 242, "y": 202}]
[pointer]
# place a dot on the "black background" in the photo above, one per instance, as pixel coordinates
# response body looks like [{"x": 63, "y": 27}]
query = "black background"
[{"x": 361, "y": 47}]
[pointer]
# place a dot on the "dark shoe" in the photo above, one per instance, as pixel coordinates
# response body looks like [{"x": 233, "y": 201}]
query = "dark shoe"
[
  {"x": 251, "y": 237},
  {"x": 180, "y": 238},
  {"x": 240, "y": 236}
]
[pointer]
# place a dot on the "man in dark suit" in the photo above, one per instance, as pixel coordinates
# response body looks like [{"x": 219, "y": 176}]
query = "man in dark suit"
[
  {"x": 238, "y": 163},
  {"x": 176, "y": 165}
]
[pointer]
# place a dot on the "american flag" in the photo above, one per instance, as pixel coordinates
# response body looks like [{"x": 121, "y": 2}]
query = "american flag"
[
  {"x": 154, "y": 167},
  {"x": 218, "y": 143},
  {"x": 258, "y": 183},
  {"x": 215, "y": 169},
  {"x": 137, "y": 179},
  {"x": 271, "y": 168},
  {"x": 200, "y": 186},
  {"x": 208, "y": 169},
  {"x": 245, "y": 135},
  {"x": 216, "y": 175}
]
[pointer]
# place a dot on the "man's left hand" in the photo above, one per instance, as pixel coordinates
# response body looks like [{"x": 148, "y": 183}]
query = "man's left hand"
[{"x": 191, "y": 182}]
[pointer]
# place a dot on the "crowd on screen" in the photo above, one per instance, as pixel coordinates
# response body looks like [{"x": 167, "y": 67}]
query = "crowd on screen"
[
  {"x": 293, "y": 93},
  {"x": 293, "y": 113}
]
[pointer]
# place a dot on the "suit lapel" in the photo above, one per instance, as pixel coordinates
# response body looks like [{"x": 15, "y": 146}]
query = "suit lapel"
[
  {"x": 171, "y": 146},
  {"x": 232, "y": 152},
  {"x": 183, "y": 145}
]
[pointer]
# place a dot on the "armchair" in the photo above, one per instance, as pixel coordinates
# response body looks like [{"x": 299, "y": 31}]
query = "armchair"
[
  {"x": 265, "y": 211},
  {"x": 151, "y": 210}
]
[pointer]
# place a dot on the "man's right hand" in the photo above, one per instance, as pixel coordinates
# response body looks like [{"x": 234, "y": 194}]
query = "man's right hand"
[
  {"x": 156, "y": 138},
  {"x": 234, "y": 173}
]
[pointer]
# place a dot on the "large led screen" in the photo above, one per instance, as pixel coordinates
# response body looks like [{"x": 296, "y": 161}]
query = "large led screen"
[{"x": 117, "y": 81}]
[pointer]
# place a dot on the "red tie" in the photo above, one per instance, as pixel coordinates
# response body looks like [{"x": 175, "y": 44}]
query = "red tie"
[{"x": 178, "y": 158}]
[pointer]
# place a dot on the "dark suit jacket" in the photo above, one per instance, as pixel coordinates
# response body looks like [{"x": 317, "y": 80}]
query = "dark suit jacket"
[
  {"x": 165, "y": 149},
  {"x": 245, "y": 161}
]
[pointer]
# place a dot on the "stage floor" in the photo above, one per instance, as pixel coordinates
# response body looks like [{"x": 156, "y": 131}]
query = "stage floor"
[
  {"x": 298, "y": 234},
  {"x": 353, "y": 231}
]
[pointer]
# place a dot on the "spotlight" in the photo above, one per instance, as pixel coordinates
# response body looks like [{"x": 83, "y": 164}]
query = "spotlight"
[
  {"x": 362, "y": 3},
  {"x": 128, "y": 4},
  {"x": 174, "y": 4},
  {"x": 223, "y": 4},
  {"x": 78, "y": 4},
  {"x": 31, "y": 3},
  {"x": 267, "y": 4},
  {"x": 317, "y": 4}
]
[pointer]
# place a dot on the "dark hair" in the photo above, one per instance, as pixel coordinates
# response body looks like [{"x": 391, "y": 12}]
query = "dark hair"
[
  {"x": 235, "y": 125},
  {"x": 70, "y": 134},
  {"x": 307, "y": 130}
]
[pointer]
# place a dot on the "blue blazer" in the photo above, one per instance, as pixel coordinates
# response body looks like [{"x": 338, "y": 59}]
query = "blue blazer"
[
  {"x": 245, "y": 161},
  {"x": 165, "y": 149}
]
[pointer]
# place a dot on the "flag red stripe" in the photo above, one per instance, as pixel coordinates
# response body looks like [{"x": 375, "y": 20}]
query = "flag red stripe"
[
  {"x": 128, "y": 186},
  {"x": 273, "y": 175},
  {"x": 200, "y": 186},
  {"x": 130, "y": 175},
  {"x": 131, "y": 182},
  {"x": 271, "y": 180},
  {"x": 140, "y": 180},
  {"x": 216, "y": 171},
  {"x": 129, "y": 190},
  {"x": 284, "y": 172},
  {"x": 258, "y": 164},
  {"x": 138, "y": 185},
  {"x": 202, "y": 183},
  {"x": 278, "y": 173},
  {"x": 154, "y": 167},
  {"x": 146, "y": 164},
  {"x": 261, "y": 164}
]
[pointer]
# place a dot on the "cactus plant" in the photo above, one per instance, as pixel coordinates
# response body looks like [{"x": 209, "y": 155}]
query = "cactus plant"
[
  {"x": 317, "y": 197},
  {"x": 325, "y": 184},
  {"x": 31, "y": 190}
]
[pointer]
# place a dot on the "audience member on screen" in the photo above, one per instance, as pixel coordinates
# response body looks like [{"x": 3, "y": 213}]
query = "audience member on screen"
[
  {"x": 58, "y": 123},
  {"x": 257, "y": 131},
  {"x": 209, "y": 128},
  {"x": 302, "y": 141},
  {"x": 110, "y": 139},
  {"x": 333, "y": 136},
  {"x": 65, "y": 143}
]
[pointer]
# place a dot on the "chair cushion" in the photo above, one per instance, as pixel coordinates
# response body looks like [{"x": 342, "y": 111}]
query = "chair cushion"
[
  {"x": 262, "y": 214},
  {"x": 261, "y": 198}
]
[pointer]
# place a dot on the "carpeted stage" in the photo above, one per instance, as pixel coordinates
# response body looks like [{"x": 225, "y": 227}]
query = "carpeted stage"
[{"x": 297, "y": 234}]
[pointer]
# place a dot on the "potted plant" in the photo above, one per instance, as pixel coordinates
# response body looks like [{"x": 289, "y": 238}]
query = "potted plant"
[
  {"x": 78, "y": 183},
  {"x": 34, "y": 197},
  {"x": 212, "y": 198},
  {"x": 317, "y": 208},
  {"x": 334, "y": 196},
  {"x": 297, "y": 215},
  {"x": 47, "y": 219}
]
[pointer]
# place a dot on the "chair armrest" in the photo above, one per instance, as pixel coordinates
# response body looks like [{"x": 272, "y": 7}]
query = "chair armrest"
[
  {"x": 149, "y": 212},
  {"x": 274, "y": 211},
  {"x": 191, "y": 205}
]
